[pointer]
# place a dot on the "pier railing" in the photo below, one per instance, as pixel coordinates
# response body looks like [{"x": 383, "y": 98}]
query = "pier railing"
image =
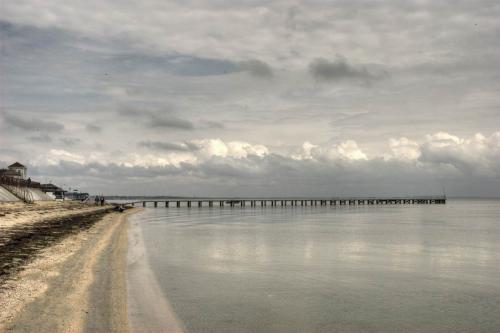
[{"x": 289, "y": 202}]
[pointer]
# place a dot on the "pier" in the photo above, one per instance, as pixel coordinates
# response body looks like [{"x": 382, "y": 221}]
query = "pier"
[{"x": 287, "y": 202}]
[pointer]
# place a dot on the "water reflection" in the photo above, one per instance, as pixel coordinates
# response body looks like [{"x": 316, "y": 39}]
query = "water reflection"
[{"x": 387, "y": 269}]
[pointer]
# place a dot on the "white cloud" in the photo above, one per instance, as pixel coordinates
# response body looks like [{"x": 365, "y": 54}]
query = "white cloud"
[
  {"x": 443, "y": 139},
  {"x": 212, "y": 147},
  {"x": 404, "y": 149},
  {"x": 205, "y": 150},
  {"x": 336, "y": 169},
  {"x": 475, "y": 155},
  {"x": 57, "y": 155},
  {"x": 240, "y": 149},
  {"x": 305, "y": 151},
  {"x": 346, "y": 150},
  {"x": 350, "y": 150}
]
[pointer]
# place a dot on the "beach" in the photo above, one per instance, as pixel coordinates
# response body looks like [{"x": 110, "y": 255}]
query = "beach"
[
  {"x": 73, "y": 278},
  {"x": 391, "y": 268}
]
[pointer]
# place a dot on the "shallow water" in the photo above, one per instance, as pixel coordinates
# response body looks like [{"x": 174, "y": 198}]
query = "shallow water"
[{"x": 417, "y": 268}]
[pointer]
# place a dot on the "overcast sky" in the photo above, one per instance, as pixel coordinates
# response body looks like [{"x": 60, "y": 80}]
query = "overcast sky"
[{"x": 253, "y": 97}]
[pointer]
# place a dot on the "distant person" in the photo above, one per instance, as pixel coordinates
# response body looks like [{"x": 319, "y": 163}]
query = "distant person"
[
  {"x": 102, "y": 201},
  {"x": 96, "y": 200}
]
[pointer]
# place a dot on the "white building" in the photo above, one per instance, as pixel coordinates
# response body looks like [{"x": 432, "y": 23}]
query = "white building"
[{"x": 19, "y": 169}]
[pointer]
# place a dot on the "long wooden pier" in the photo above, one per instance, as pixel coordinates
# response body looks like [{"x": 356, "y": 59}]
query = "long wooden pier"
[{"x": 287, "y": 202}]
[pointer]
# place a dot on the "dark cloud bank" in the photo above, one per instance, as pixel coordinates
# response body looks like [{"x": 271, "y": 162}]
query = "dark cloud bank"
[
  {"x": 30, "y": 124},
  {"x": 340, "y": 69},
  {"x": 157, "y": 119},
  {"x": 167, "y": 146}
]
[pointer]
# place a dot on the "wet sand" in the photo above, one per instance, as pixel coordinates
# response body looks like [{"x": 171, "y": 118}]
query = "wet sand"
[{"x": 75, "y": 283}]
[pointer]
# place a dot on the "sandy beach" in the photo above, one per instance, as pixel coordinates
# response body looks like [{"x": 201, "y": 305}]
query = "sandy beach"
[
  {"x": 70, "y": 279},
  {"x": 19, "y": 214}
]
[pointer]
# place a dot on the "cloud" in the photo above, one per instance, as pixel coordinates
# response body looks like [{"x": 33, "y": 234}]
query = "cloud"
[
  {"x": 40, "y": 138},
  {"x": 404, "y": 148},
  {"x": 346, "y": 150},
  {"x": 338, "y": 70},
  {"x": 169, "y": 121},
  {"x": 196, "y": 66},
  {"x": 69, "y": 141},
  {"x": 212, "y": 124},
  {"x": 256, "y": 68},
  {"x": 214, "y": 60},
  {"x": 55, "y": 156},
  {"x": 167, "y": 146},
  {"x": 317, "y": 169},
  {"x": 157, "y": 119},
  {"x": 209, "y": 148},
  {"x": 130, "y": 112},
  {"x": 31, "y": 124},
  {"x": 93, "y": 128},
  {"x": 478, "y": 155}
]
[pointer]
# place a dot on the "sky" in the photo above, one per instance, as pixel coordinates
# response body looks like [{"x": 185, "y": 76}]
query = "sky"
[{"x": 252, "y": 97}]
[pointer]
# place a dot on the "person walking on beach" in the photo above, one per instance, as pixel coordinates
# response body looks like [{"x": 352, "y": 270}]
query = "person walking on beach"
[
  {"x": 102, "y": 200},
  {"x": 96, "y": 200}
]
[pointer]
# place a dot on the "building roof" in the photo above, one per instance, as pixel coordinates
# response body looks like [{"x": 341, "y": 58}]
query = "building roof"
[{"x": 17, "y": 165}]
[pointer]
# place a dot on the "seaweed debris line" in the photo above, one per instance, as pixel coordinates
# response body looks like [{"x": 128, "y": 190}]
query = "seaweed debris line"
[
  {"x": 27, "y": 229},
  {"x": 48, "y": 256}
]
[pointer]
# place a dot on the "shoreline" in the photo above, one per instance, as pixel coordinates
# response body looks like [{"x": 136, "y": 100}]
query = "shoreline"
[
  {"x": 149, "y": 309},
  {"x": 75, "y": 284},
  {"x": 106, "y": 296}
]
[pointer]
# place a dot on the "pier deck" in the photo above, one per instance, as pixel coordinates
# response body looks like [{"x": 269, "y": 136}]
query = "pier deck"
[{"x": 287, "y": 202}]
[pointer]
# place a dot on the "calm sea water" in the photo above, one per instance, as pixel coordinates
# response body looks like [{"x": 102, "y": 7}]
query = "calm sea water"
[{"x": 428, "y": 268}]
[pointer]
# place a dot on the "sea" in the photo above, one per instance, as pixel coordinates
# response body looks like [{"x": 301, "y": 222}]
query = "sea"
[{"x": 388, "y": 268}]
